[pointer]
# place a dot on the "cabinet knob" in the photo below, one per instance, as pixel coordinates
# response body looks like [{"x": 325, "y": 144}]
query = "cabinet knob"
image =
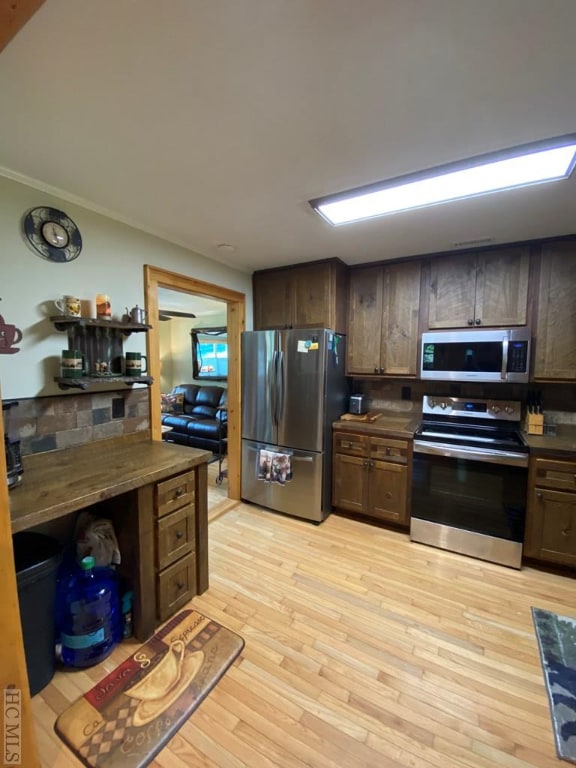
[
  {"x": 566, "y": 531},
  {"x": 470, "y": 322},
  {"x": 388, "y": 451},
  {"x": 478, "y": 321},
  {"x": 179, "y": 492},
  {"x": 180, "y": 585},
  {"x": 538, "y": 494},
  {"x": 375, "y": 370},
  {"x": 179, "y": 534}
]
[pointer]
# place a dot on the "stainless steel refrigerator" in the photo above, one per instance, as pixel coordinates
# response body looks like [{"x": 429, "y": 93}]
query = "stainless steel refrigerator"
[{"x": 293, "y": 388}]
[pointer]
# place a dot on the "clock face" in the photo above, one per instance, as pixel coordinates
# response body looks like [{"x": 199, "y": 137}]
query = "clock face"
[{"x": 52, "y": 234}]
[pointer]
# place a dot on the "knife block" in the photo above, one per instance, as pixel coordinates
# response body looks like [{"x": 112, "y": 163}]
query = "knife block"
[{"x": 534, "y": 424}]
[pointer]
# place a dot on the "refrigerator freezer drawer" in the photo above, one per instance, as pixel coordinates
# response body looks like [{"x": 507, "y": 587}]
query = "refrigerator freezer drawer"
[{"x": 301, "y": 496}]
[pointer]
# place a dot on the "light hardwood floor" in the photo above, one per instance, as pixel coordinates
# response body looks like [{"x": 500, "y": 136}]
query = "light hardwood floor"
[
  {"x": 362, "y": 649},
  {"x": 218, "y": 501}
]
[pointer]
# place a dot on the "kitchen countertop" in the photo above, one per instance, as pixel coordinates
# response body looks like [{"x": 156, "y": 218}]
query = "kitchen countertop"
[
  {"x": 388, "y": 423},
  {"x": 394, "y": 424},
  {"x": 58, "y": 482},
  {"x": 560, "y": 444}
]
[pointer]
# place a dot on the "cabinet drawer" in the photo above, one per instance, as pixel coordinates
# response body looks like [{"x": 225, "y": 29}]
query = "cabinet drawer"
[
  {"x": 177, "y": 492},
  {"x": 176, "y": 586},
  {"x": 389, "y": 449},
  {"x": 174, "y": 536},
  {"x": 351, "y": 445},
  {"x": 555, "y": 474}
]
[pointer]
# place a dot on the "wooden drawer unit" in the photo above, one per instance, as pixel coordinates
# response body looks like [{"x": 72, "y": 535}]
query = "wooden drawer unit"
[
  {"x": 560, "y": 475},
  {"x": 371, "y": 476},
  {"x": 551, "y": 514},
  {"x": 175, "y": 542},
  {"x": 174, "y": 536},
  {"x": 176, "y": 586},
  {"x": 351, "y": 445},
  {"x": 175, "y": 493},
  {"x": 389, "y": 449}
]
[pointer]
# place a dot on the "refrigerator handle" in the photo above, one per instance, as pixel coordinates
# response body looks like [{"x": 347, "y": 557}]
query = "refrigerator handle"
[
  {"x": 274, "y": 389},
  {"x": 281, "y": 389}
]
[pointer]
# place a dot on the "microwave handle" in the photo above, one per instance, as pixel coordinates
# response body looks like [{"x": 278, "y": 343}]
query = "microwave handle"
[{"x": 504, "y": 370}]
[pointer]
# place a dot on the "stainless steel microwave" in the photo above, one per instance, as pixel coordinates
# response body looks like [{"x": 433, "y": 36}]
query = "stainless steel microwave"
[{"x": 477, "y": 355}]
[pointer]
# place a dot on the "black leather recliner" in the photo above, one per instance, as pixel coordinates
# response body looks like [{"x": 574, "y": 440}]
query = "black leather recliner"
[{"x": 204, "y": 420}]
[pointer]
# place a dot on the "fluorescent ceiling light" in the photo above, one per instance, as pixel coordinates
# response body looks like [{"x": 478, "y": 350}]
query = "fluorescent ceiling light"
[{"x": 530, "y": 164}]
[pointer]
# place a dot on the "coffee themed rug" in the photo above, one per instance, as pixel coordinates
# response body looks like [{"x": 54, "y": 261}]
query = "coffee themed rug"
[{"x": 131, "y": 714}]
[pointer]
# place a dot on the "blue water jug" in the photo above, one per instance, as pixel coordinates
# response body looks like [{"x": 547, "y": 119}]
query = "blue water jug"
[{"x": 89, "y": 619}]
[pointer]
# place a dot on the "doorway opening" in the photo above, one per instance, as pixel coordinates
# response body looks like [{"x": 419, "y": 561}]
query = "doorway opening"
[{"x": 155, "y": 278}]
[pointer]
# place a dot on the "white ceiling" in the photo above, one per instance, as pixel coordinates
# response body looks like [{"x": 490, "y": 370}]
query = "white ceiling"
[
  {"x": 210, "y": 313},
  {"x": 215, "y": 121}
]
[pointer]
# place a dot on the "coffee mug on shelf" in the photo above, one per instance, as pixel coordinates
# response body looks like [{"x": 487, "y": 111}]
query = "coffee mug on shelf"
[
  {"x": 134, "y": 364},
  {"x": 73, "y": 364},
  {"x": 103, "y": 307},
  {"x": 71, "y": 306}
]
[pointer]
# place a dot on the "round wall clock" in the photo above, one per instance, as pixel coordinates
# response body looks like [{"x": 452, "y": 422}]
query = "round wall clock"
[{"x": 52, "y": 234}]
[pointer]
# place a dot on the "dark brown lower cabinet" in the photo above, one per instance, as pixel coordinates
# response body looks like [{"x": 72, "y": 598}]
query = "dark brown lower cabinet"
[
  {"x": 371, "y": 476},
  {"x": 551, "y": 515},
  {"x": 175, "y": 540}
]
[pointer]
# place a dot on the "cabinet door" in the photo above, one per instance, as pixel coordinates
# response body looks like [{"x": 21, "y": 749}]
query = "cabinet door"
[
  {"x": 452, "y": 291},
  {"x": 401, "y": 309},
  {"x": 555, "y": 356},
  {"x": 502, "y": 287},
  {"x": 272, "y": 300},
  {"x": 349, "y": 482},
  {"x": 365, "y": 321},
  {"x": 388, "y": 492},
  {"x": 551, "y": 526},
  {"x": 313, "y": 297}
]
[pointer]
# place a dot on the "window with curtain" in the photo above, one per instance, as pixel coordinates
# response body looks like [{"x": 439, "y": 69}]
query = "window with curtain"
[{"x": 210, "y": 353}]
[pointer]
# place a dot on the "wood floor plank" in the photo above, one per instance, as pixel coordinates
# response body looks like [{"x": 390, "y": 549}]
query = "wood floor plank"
[{"x": 362, "y": 649}]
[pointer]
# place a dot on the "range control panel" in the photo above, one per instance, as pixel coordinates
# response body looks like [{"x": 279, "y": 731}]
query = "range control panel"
[{"x": 507, "y": 410}]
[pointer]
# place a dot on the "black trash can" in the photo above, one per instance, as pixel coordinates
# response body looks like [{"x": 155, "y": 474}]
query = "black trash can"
[{"x": 37, "y": 558}]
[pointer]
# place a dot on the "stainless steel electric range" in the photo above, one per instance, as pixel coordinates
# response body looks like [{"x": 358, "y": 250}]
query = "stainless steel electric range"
[{"x": 469, "y": 478}]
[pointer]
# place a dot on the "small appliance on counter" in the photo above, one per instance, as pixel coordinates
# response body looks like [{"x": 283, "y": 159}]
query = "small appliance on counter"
[
  {"x": 14, "y": 468},
  {"x": 357, "y": 404}
]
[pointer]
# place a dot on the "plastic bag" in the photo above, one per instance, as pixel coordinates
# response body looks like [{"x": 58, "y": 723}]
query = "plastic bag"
[{"x": 95, "y": 536}]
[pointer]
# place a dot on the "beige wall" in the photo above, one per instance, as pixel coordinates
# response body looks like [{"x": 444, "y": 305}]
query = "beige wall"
[{"x": 111, "y": 261}]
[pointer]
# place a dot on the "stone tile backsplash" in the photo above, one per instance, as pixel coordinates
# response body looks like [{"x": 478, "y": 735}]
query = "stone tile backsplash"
[
  {"x": 405, "y": 396},
  {"x": 49, "y": 423}
]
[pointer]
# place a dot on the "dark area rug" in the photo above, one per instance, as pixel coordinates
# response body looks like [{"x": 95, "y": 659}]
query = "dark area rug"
[
  {"x": 125, "y": 720},
  {"x": 557, "y": 642}
]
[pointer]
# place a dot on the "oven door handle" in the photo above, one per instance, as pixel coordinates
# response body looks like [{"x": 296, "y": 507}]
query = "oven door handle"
[{"x": 471, "y": 454}]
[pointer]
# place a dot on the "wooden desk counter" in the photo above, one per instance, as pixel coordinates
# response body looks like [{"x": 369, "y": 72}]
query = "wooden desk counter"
[{"x": 119, "y": 475}]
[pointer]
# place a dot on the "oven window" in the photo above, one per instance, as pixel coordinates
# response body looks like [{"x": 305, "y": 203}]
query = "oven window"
[{"x": 477, "y": 496}]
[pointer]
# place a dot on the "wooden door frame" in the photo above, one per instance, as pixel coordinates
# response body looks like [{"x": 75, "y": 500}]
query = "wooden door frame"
[{"x": 155, "y": 278}]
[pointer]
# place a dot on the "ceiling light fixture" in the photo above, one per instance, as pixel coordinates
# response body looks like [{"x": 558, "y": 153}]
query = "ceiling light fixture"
[{"x": 516, "y": 167}]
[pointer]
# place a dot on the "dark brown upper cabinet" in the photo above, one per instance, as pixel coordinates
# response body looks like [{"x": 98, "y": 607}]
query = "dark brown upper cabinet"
[
  {"x": 302, "y": 296},
  {"x": 479, "y": 290},
  {"x": 383, "y": 312}
]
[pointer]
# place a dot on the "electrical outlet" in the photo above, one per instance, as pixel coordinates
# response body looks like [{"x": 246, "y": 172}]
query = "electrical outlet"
[{"x": 118, "y": 408}]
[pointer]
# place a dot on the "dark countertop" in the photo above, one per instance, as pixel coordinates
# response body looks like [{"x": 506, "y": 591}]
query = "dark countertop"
[
  {"x": 388, "y": 423},
  {"x": 58, "y": 482},
  {"x": 393, "y": 424},
  {"x": 562, "y": 444}
]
